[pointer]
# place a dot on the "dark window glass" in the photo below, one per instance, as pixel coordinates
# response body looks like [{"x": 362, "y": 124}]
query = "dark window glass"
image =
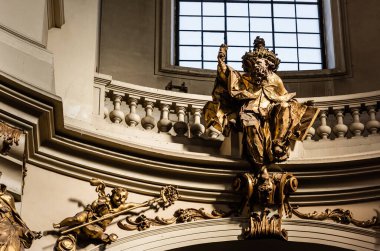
[{"x": 292, "y": 28}]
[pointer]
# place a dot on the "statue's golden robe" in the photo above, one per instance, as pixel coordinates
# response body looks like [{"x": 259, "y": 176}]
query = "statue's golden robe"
[
  {"x": 267, "y": 114},
  {"x": 13, "y": 230}
]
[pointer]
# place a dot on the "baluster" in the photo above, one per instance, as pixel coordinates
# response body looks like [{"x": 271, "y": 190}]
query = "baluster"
[
  {"x": 372, "y": 125},
  {"x": 324, "y": 130},
  {"x": 106, "y": 112},
  {"x": 340, "y": 129},
  {"x": 310, "y": 133},
  {"x": 132, "y": 118},
  {"x": 180, "y": 127},
  {"x": 164, "y": 124},
  {"x": 117, "y": 115},
  {"x": 356, "y": 126},
  {"x": 197, "y": 129},
  {"x": 148, "y": 122}
]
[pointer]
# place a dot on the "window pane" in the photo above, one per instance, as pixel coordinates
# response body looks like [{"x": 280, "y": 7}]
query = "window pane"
[
  {"x": 267, "y": 37},
  {"x": 210, "y": 53},
  {"x": 210, "y": 65},
  {"x": 288, "y": 67},
  {"x": 306, "y": 25},
  {"x": 260, "y": 10},
  {"x": 190, "y": 52},
  {"x": 237, "y": 24},
  {"x": 310, "y": 67},
  {"x": 213, "y": 38},
  {"x": 287, "y": 55},
  {"x": 213, "y": 23},
  {"x": 235, "y": 53},
  {"x": 213, "y": 9},
  {"x": 195, "y": 64},
  {"x": 190, "y": 37},
  {"x": 237, "y": 9},
  {"x": 308, "y": 10},
  {"x": 309, "y": 40},
  {"x": 190, "y": 8},
  {"x": 261, "y": 24},
  {"x": 284, "y": 10},
  {"x": 236, "y": 65},
  {"x": 310, "y": 1},
  {"x": 287, "y": 40},
  {"x": 285, "y": 25},
  {"x": 310, "y": 55},
  {"x": 190, "y": 23},
  {"x": 238, "y": 38}
]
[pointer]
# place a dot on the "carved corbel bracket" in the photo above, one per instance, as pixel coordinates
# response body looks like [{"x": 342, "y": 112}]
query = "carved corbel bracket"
[{"x": 266, "y": 195}]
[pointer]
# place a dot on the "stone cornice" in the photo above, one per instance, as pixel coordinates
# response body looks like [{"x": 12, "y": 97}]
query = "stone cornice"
[{"x": 82, "y": 154}]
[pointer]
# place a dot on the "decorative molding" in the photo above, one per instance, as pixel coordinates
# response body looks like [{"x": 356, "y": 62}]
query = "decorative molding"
[
  {"x": 21, "y": 36},
  {"x": 229, "y": 229},
  {"x": 56, "y": 13},
  {"x": 74, "y": 151}
]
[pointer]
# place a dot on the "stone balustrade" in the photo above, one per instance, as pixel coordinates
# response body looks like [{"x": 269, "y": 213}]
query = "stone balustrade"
[{"x": 180, "y": 114}]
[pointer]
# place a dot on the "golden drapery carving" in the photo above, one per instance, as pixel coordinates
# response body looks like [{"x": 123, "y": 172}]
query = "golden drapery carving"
[
  {"x": 257, "y": 103},
  {"x": 14, "y": 233}
]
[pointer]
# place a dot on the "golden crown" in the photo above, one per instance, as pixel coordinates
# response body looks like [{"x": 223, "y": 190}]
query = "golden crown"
[{"x": 259, "y": 51}]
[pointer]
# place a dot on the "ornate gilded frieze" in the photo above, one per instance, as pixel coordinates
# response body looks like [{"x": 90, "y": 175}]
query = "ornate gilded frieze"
[
  {"x": 180, "y": 216},
  {"x": 339, "y": 215}
]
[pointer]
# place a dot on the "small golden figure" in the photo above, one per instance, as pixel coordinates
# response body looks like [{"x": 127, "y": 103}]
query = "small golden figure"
[
  {"x": 92, "y": 222},
  {"x": 14, "y": 233}
]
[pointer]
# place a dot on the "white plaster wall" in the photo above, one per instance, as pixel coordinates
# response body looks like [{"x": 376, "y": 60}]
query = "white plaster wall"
[
  {"x": 28, "y": 18},
  {"x": 74, "y": 47}
]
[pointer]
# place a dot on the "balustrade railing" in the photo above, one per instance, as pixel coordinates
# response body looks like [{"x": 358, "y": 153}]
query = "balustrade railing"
[{"x": 180, "y": 114}]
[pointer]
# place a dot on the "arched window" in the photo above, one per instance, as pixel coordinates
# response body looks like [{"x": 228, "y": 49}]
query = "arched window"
[{"x": 292, "y": 28}]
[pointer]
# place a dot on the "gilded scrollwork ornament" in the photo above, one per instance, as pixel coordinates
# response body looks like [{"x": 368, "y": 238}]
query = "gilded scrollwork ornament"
[
  {"x": 339, "y": 215},
  {"x": 142, "y": 222},
  {"x": 91, "y": 224}
]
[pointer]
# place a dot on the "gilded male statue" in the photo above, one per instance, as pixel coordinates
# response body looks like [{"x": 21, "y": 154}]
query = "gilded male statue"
[
  {"x": 14, "y": 233},
  {"x": 257, "y": 103}
]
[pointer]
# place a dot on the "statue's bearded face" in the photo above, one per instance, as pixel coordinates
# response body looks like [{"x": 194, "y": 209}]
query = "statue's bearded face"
[{"x": 260, "y": 69}]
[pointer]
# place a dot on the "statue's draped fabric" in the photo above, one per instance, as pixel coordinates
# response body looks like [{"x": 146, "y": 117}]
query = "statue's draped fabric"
[
  {"x": 269, "y": 117},
  {"x": 14, "y": 234}
]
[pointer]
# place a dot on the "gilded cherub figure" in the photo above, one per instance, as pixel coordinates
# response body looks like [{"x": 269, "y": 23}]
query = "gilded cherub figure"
[
  {"x": 92, "y": 222},
  {"x": 14, "y": 233},
  {"x": 257, "y": 103},
  {"x": 106, "y": 208}
]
